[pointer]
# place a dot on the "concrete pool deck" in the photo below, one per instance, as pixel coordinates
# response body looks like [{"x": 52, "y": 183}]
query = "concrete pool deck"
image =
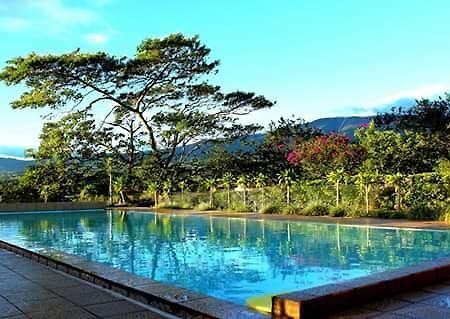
[{"x": 31, "y": 290}]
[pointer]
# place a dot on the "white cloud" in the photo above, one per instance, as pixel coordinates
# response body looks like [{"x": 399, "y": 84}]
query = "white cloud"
[
  {"x": 403, "y": 98},
  {"x": 53, "y": 16},
  {"x": 96, "y": 38},
  {"x": 416, "y": 93}
]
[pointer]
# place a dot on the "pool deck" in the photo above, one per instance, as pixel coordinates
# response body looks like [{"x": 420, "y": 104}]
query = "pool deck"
[{"x": 31, "y": 290}]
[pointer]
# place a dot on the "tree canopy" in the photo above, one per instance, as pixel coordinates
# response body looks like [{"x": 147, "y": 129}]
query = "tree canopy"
[{"x": 164, "y": 86}]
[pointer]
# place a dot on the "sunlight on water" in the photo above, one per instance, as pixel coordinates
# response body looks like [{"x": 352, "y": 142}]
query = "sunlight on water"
[{"x": 228, "y": 258}]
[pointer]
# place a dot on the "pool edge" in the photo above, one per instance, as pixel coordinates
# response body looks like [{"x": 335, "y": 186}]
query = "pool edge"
[
  {"x": 326, "y": 300},
  {"x": 177, "y": 301}
]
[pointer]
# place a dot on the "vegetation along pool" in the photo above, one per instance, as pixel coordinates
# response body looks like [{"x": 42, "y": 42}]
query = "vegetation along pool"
[{"x": 228, "y": 258}]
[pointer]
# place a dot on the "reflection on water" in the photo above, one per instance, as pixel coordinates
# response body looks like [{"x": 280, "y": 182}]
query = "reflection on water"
[{"x": 228, "y": 258}]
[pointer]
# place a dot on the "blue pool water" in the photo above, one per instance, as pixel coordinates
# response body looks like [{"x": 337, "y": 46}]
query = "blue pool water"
[{"x": 228, "y": 258}]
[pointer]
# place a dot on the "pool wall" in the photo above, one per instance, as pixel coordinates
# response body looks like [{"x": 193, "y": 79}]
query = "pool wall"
[{"x": 51, "y": 206}]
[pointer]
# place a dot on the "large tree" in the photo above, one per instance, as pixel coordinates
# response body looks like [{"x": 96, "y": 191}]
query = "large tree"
[
  {"x": 164, "y": 86},
  {"x": 68, "y": 159}
]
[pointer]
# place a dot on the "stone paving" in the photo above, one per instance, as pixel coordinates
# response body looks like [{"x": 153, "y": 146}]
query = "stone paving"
[
  {"x": 431, "y": 302},
  {"x": 31, "y": 290}
]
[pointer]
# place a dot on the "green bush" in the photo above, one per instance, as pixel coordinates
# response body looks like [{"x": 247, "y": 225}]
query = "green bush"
[
  {"x": 241, "y": 208},
  {"x": 174, "y": 205},
  {"x": 316, "y": 209},
  {"x": 204, "y": 206},
  {"x": 270, "y": 209},
  {"x": 339, "y": 211},
  {"x": 290, "y": 210},
  {"x": 424, "y": 213},
  {"x": 390, "y": 214}
]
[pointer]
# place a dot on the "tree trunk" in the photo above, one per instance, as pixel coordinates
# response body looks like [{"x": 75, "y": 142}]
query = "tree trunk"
[
  {"x": 288, "y": 194},
  {"x": 122, "y": 197},
  {"x": 228, "y": 198},
  {"x": 245, "y": 197},
  {"x": 110, "y": 189},
  {"x": 210, "y": 199},
  {"x": 262, "y": 197},
  {"x": 337, "y": 193},
  {"x": 367, "y": 200}
]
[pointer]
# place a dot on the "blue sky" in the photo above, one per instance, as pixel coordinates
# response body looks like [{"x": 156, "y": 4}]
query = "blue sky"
[{"x": 316, "y": 58}]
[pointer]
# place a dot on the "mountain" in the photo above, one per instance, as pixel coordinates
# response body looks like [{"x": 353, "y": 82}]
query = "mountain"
[
  {"x": 12, "y": 165},
  {"x": 10, "y": 155},
  {"x": 345, "y": 124}
]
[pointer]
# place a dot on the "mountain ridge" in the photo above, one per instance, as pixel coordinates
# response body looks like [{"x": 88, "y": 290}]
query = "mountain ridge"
[{"x": 10, "y": 161}]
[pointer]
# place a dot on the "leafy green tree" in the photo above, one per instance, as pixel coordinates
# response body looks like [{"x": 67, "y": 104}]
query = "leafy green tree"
[
  {"x": 406, "y": 152},
  {"x": 261, "y": 183},
  {"x": 118, "y": 188},
  {"x": 364, "y": 180},
  {"x": 211, "y": 184},
  {"x": 167, "y": 189},
  {"x": 396, "y": 181},
  {"x": 242, "y": 183},
  {"x": 164, "y": 86},
  {"x": 227, "y": 181},
  {"x": 287, "y": 178},
  {"x": 153, "y": 188},
  {"x": 336, "y": 178},
  {"x": 70, "y": 156},
  {"x": 48, "y": 191},
  {"x": 182, "y": 185},
  {"x": 426, "y": 116}
]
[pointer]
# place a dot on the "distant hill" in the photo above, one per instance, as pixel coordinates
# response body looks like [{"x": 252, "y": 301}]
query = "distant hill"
[
  {"x": 12, "y": 165},
  {"x": 10, "y": 156},
  {"x": 343, "y": 125}
]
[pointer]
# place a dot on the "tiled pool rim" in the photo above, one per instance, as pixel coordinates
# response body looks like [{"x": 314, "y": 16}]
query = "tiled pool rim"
[{"x": 316, "y": 302}]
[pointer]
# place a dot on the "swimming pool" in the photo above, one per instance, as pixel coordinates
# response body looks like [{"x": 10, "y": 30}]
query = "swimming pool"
[{"x": 228, "y": 258}]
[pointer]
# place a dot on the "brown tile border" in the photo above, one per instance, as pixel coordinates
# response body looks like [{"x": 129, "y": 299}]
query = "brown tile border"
[
  {"x": 350, "y": 221},
  {"x": 325, "y": 300},
  {"x": 177, "y": 301},
  {"x": 50, "y": 206}
]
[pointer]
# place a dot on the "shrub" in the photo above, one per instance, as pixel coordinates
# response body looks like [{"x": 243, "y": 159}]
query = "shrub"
[
  {"x": 339, "y": 211},
  {"x": 270, "y": 209},
  {"x": 203, "y": 206},
  {"x": 423, "y": 213},
  {"x": 175, "y": 205},
  {"x": 316, "y": 209},
  {"x": 239, "y": 207},
  {"x": 290, "y": 210},
  {"x": 384, "y": 213}
]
